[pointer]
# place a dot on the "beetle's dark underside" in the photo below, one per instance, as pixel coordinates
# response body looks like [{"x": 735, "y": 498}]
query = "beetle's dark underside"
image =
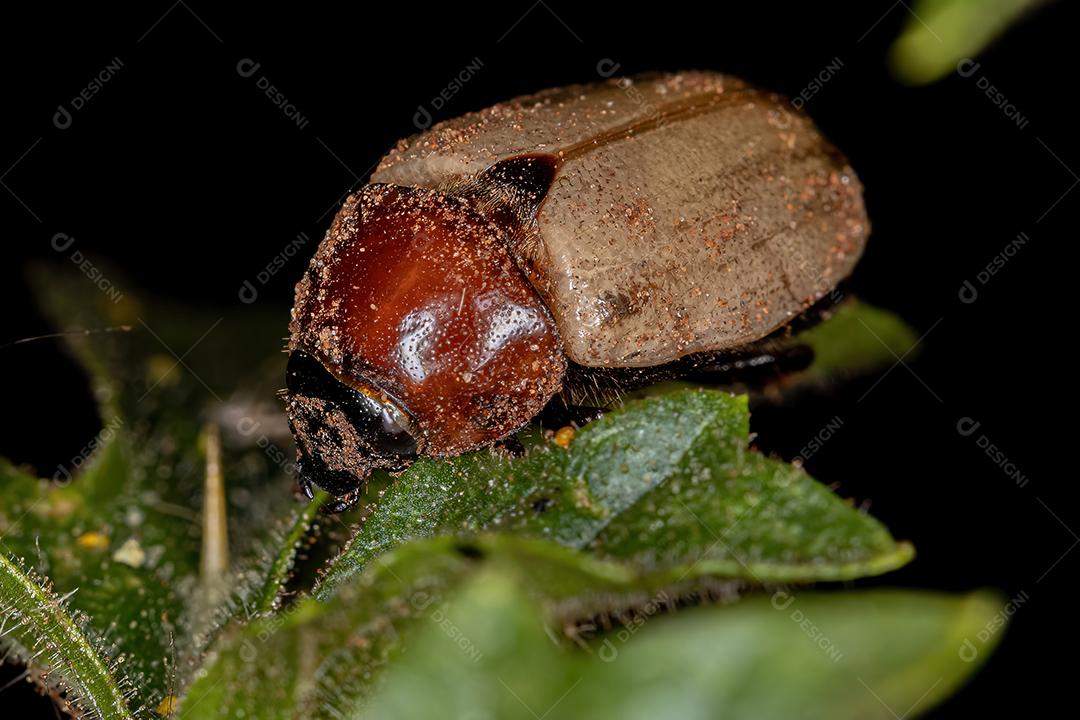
[{"x": 753, "y": 365}]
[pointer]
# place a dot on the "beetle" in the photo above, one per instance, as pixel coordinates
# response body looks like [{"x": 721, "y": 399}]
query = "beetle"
[{"x": 595, "y": 232}]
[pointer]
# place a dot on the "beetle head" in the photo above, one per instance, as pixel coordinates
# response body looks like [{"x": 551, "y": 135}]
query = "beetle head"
[
  {"x": 413, "y": 332},
  {"x": 342, "y": 433}
]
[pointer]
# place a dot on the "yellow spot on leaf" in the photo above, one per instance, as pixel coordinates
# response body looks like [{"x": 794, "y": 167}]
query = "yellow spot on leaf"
[{"x": 93, "y": 541}]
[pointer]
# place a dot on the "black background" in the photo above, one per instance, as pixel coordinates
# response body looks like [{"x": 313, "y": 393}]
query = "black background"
[{"x": 182, "y": 173}]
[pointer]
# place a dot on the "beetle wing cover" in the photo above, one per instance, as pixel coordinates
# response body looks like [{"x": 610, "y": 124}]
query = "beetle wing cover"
[{"x": 689, "y": 213}]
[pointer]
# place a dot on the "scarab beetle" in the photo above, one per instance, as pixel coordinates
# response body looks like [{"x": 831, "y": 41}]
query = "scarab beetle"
[{"x": 596, "y": 231}]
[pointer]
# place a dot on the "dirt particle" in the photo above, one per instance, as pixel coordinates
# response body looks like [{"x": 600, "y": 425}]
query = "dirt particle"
[
  {"x": 130, "y": 553},
  {"x": 564, "y": 436}
]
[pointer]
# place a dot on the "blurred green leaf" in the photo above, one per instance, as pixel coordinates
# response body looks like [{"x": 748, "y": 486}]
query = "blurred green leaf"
[
  {"x": 443, "y": 627},
  {"x": 855, "y": 655},
  {"x": 855, "y": 339},
  {"x": 123, "y": 528},
  {"x": 939, "y": 33},
  {"x": 666, "y": 483},
  {"x": 658, "y": 504}
]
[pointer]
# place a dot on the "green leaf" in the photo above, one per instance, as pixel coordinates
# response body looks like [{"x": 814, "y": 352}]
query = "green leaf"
[
  {"x": 125, "y": 528},
  {"x": 441, "y": 626},
  {"x": 281, "y": 666},
  {"x": 660, "y": 499},
  {"x": 43, "y": 626},
  {"x": 279, "y": 569},
  {"x": 80, "y": 538},
  {"x": 666, "y": 483},
  {"x": 854, "y": 655},
  {"x": 939, "y": 33},
  {"x": 855, "y": 339}
]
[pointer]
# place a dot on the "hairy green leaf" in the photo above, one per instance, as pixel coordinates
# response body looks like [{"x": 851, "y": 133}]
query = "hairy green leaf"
[
  {"x": 666, "y": 482},
  {"x": 48, "y": 633},
  {"x": 440, "y": 626},
  {"x": 658, "y": 504},
  {"x": 122, "y": 521}
]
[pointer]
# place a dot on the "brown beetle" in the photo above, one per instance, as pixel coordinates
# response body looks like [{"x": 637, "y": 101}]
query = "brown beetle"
[{"x": 620, "y": 227}]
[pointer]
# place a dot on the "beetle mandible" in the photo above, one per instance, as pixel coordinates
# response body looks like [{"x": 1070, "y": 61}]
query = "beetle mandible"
[{"x": 581, "y": 230}]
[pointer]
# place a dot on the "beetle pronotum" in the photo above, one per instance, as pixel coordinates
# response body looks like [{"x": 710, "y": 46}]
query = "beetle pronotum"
[{"x": 580, "y": 230}]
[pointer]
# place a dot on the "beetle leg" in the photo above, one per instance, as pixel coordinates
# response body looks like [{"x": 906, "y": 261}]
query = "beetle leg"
[
  {"x": 510, "y": 445},
  {"x": 304, "y": 485},
  {"x": 340, "y": 504},
  {"x": 754, "y": 366},
  {"x": 754, "y": 369},
  {"x": 559, "y": 413}
]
